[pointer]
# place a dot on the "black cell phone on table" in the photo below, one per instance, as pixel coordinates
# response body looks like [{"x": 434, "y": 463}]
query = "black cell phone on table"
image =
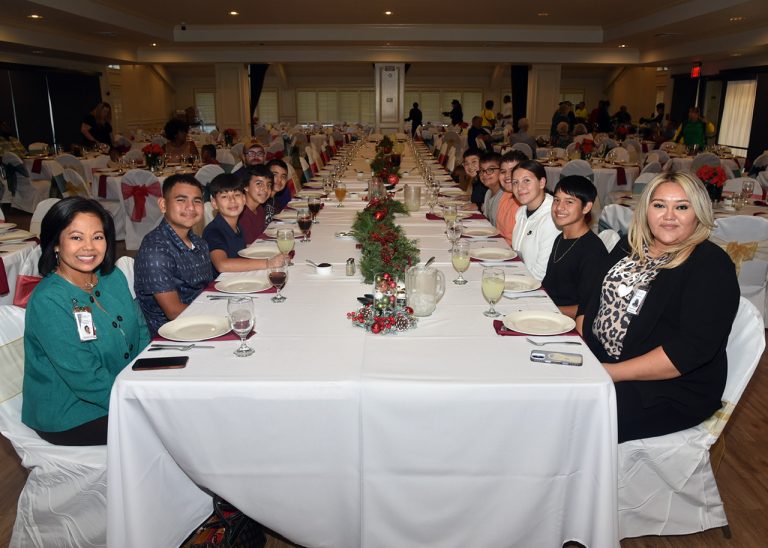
[
  {"x": 559, "y": 358},
  {"x": 166, "y": 362}
]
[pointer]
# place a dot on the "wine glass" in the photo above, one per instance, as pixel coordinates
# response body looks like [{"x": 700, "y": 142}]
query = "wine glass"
[
  {"x": 285, "y": 242},
  {"x": 460, "y": 261},
  {"x": 453, "y": 231},
  {"x": 450, "y": 213},
  {"x": 314, "y": 207},
  {"x": 493, "y": 288},
  {"x": 341, "y": 192},
  {"x": 240, "y": 310},
  {"x": 432, "y": 197},
  {"x": 747, "y": 189},
  {"x": 278, "y": 276},
  {"x": 304, "y": 219}
]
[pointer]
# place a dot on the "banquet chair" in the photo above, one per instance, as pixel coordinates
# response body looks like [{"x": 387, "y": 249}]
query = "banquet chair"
[
  {"x": 294, "y": 182},
  {"x": 451, "y": 162},
  {"x": 125, "y": 264},
  {"x": 159, "y": 140},
  {"x": 441, "y": 157},
  {"x": 524, "y": 148},
  {"x": 578, "y": 167},
  {"x": 745, "y": 239},
  {"x": 610, "y": 238},
  {"x": 666, "y": 483},
  {"x": 305, "y": 170},
  {"x": 705, "y": 159},
  {"x": 669, "y": 146},
  {"x": 651, "y": 167},
  {"x": 67, "y": 161},
  {"x": 63, "y": 502},
  {"x": 609, "y": 143},
  {"x": 762, "y": 178},
  {"x": 480, "y": 144},
  {"x": 616, "y": 217},
  {"x": 27, "y": 193},
  {"x": 75, "y": 186},
  {"x": 237, "y": 150},
  {"x": 571, "y": 151},
  {"x": 261, "y": 135},
  {"x": 205, "y": 175},
  {"x": 619, "y": 155},
  {"x": 37, "y": 216},
  {"x": 139, "y": 192},
  {"x": 635, "y": 150},
  {"x": 579, "y": 138},
  {"x": 735, "y": 185},
  {"x": 559, "y": 153},
  {"x": 639, "y": 184},
  {"x": 134, "y": 155},
  {"x": 226, "y": 159},
  {"x": 276, "y": 149},
  {"x": 375, "y": 137}
]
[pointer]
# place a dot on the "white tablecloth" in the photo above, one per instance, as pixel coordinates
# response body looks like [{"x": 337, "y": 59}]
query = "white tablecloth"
[
  {"x": 606, "y": 179},
  {"x": 446, "y": 435},
  {"x": 684, "y": 164}
]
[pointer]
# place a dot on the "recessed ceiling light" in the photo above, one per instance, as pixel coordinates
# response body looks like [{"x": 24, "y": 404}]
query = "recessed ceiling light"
[
  {"x": 154, "y": 44},
  {"x": 543, "y": 14},
  {"x": 735, "y": 54},
  {"x": 736, "y": 19},
  {"x": 387, "y": 12},
  {"x": 34, "y": 16},
  {"x": 622, "y": 45},
  {"x": 37, "y": 51},
  {"x": 233, "y": 12}
]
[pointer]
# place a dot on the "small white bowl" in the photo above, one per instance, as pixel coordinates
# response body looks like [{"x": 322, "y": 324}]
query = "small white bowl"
[{"x": 324, "y": 270}]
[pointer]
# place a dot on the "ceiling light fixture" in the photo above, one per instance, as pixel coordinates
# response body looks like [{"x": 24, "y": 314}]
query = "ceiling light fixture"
[
  {"x": 34, "y": 16},
  {"x": 37, "y": 51},
  {"x": 736, "y": 19},
  {"x": 543, "y": 14},
  {"x": 233, "y": 12},
  {"x": 736, "y": 54},
  {"x": 622, "y": 45},
  {"x": 387, "y": 12},
  {"x": 154, "y": 44}
]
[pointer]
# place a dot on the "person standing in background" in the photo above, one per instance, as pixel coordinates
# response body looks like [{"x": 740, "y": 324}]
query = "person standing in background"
[
  {"x": 456, "y": 114},
  {"x": 414, "y": 117}
]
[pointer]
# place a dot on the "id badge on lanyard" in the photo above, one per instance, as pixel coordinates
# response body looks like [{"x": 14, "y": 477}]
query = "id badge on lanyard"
[
  {"x": 84, "y": 321},
  {"x": 638, "y": 299}
]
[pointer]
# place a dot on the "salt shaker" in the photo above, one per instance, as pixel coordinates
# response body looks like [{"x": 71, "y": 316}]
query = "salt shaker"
[{"x": 351, "y": 266}]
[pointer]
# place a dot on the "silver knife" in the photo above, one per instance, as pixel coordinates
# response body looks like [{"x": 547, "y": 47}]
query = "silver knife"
[{"x": 178, "y": 346}]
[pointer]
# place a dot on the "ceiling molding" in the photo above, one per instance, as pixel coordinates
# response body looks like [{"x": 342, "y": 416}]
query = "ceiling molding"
[
  {"x": 53, "y": 43},
  {"x": 668, "y": 16},
  {"x": 696, "y": 50},
  {"x": 389, "y": 33}
]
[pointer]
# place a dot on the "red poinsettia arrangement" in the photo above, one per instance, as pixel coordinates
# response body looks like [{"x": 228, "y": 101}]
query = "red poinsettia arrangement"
[
  {"x": 586, "y": 146},
  {"x": 152, "y": 149},
  {"x": 713, "y": 178}
]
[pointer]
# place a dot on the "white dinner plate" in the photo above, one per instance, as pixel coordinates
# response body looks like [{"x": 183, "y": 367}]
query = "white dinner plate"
[
  {"x": 287, "y": 216},
  {"x": 454, "y": 202},
  {"x": 538, "y": 322},
  {"x": 297, "y": 203},
  {"x": 311, "y": 193},
  {"x": 195, "y": 328},
  {"x": 260, "y": 250},
  {"x": 15, "y": 236},
  {"x": 243, "y": 285},
  {"x": 13, "y": 247},
  {"x": 520, "y": 283},
  {"x": 480, "y": 231},
  {"x": 452, "y": 191},
  {"x": 7, "y": 226},
  {"x": 459, "y": 214},
  {"x": 491, "y": 254}
]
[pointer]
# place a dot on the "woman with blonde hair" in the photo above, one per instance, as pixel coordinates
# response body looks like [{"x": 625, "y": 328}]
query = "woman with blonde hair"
[{"x": 661, "y": 318}]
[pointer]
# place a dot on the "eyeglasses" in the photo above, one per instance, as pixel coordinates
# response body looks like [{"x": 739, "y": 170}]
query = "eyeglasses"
[
  {"x": 255, "y": 153},
  {"x": 489, "y": 170}
]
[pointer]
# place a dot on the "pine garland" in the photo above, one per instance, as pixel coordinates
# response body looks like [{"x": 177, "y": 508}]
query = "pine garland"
[{"x": 385, "y": 249}]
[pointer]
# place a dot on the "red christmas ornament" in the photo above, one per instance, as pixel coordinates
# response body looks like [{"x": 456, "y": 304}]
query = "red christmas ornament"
[
  {"x": 379, "y": 215},
  {"x": 393, "y": 179},
  {"x": 376, "y": 328}
]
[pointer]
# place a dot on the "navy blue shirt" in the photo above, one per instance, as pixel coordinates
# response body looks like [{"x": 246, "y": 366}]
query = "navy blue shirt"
[
  {"x": 219, "y": 235},
  {"x": 165, "y": 263}
]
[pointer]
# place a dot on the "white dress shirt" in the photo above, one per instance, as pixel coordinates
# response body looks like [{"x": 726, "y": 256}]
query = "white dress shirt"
[{"x": 534, "y": 236}]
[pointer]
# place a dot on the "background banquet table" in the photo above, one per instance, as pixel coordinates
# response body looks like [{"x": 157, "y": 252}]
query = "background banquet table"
[
  {"x": 14, "y": 255},
  {"x": 606, "y": 179},
  {"x": 683, "y": 163},
  {"x": 446, "y": 435}
]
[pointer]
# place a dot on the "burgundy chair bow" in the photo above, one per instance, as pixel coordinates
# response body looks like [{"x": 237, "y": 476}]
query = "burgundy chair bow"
[{"x": 139, "y": 194}]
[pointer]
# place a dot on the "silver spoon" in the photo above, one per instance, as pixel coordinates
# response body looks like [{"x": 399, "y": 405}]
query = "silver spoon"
[{"x": 537, "y": 343}]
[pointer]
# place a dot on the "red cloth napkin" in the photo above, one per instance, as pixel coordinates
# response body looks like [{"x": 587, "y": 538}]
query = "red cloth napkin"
[
  {"x": 484, "y": 237},
  {"x": 212, "y": 287},
  {"x": 621, "y": 176},
  {"x": 4, "y": 289},
  {"x": 473, "y": 260},
  {"x": 761, "y": 203},
  {"x": 506, "y": 332},
  {"x": 473, "y": 217},
  {"x": 37, "y": 165},
  {"x": 102, "y": 192},
  {"x": 24, "y": 287},
  {"x": 230, "y": 336}
]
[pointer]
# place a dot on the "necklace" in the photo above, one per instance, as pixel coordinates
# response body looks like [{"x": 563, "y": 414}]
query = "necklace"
[
  {"x": 555, "y": 258},
  {"x": 86, "y": 286}
]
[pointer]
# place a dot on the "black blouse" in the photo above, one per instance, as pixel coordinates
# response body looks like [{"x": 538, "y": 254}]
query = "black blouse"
[{"x": 574, "y": 268}]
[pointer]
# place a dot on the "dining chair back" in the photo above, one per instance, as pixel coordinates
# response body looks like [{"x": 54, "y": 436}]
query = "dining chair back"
[
  {"x": 63, "y": 501},
  {"x": 610, "y": 238},
  {"x": 68, "y": 161},
  {"x": 616, "y": 217},
  {"x": 294, "y": 181},
  {"x": 237, "y": 150},
  {"x": 618, "y": 154},
  {"x": 75, "y": 185},
  {"x": 666, "y": 483},
  {"x": 578, "y": 167},
  {"x": 651, "y": 167},
  {"x": 306, "y": 171},
  {"x": 559, "y": 153},
  {"x": 206, "y": 174},
  {"x": 480, "y": 143},
  {"x": 571, "y": 151},
  {"x": 704, "y": 159},
  {"x": 639, "y": 184},
  {"x": 134, "y": 155},
  {"x": 37, "y": 216},
  {"x": 261, "y": 134},
  {"x": 226, "y": 159},
  {"x": 159, "y": 140},
  {"x": 140, "y": 190},
  {"x": 125, "y": 264},
  {"x": 745, "y": 239},
  {"x": 525, "y": 148},
  {"x": 26, "y": 191},
  {"x": 451, "y": 162}
]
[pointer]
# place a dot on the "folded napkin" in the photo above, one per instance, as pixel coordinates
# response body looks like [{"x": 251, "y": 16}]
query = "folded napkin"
[
  {"x": 211, "y": 287},
  {"x": 498, "y": 326},
  {"x": 473, "y": 217},
  {"x": 761, "y": 203},
  {"x": 229, "y": 336},
  {"x": 102, "y": 191},
  {"x": 37, "y": 165},
  {"x": 4, "y": 289},
  {"x": 473, "y": 260},
  {"x": 483, "y": 237}
]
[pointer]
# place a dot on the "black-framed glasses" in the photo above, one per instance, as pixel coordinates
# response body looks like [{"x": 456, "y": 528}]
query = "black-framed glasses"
[{"x": 489, "y": 170}]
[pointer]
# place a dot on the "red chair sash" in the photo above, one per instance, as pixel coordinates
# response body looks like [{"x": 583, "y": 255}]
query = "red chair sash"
[
  {"x": 24, "y": 287},
  {"x": 139, "y": 194},
  {"x": 291, "y": 187}
]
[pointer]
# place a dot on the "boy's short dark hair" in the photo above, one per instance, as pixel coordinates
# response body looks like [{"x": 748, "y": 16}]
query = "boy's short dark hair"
[
  {"x": 579, "y": 187},
  {"x": 257, "y": 171},
  {"x": 277, "y": 162},
  {"x": 180, "y": 178},
  {"x": 210, "y": 149},
  {"x": 472, "y": 152},
  {"x": 490, "y": 156},
  {"x": 225, "y": 182},
  {"x": 514, "y": 155}
]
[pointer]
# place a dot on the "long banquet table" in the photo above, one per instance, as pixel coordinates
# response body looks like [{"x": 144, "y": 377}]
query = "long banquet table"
[{"x": 445, "y": 435}]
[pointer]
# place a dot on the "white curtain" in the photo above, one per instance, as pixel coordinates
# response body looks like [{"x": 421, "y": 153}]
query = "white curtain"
[{"x": 737, "y": 114}]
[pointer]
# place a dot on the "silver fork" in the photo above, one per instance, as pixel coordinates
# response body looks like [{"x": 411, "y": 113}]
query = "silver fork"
[
  {"x": 538, "y": 343},
  {"x": 526, "y": 297}
]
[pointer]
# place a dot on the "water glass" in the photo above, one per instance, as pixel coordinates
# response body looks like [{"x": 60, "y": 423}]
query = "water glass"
[
  {"x": 241, "y": 319},
  {"x": 493, "y": 288}
]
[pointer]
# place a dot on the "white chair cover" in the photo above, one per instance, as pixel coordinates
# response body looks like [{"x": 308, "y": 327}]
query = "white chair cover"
[
  {"x": 753, "y": 272},
  {"x": 159, "y": 140},
  {"x": 524, "y": 148},
  {"x": 570, "y": 150},
  {"x": 28, "y": 193},
  {"x": 225, "y": 159},
  {"x": 735, "y": 185},
  {"x": 618, "y": 154},
  {"x": 63, "y": 502},
  {"x": 578, "y": 167},
  {"x": 67, "y": 161},
  {"x": 135, "y": 154},
  {"x": 579, "y": 138},
  {"x": 136, "y": 230},
  {"x": 206, "y": 173},
  {"x": 705, "y": 159},
  {"x": 235, "y": 167},
  {"x": 643, "y": 179},
  {"x": 616, "y": 217},
  {"x": 651, "y": 167},
  {"x": 451, "y": 163},
  {"x": 125, "y": 264},
  {"x": 208, "y": 213},
  {"x": 762, "y": 178},
  {"x": 559, "y": 152},
  {"x": 40, "y": 211},
  {"x": 666, "y": 484},
  {"x": 261, "y": 135},
  {"x": 76, "y": 186},
  {"x": 542, "y": 153},
  {"x": 237, "y": 150},
  {"x": 669, "y": 146},
  {"x": 610, "y": 238}
]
